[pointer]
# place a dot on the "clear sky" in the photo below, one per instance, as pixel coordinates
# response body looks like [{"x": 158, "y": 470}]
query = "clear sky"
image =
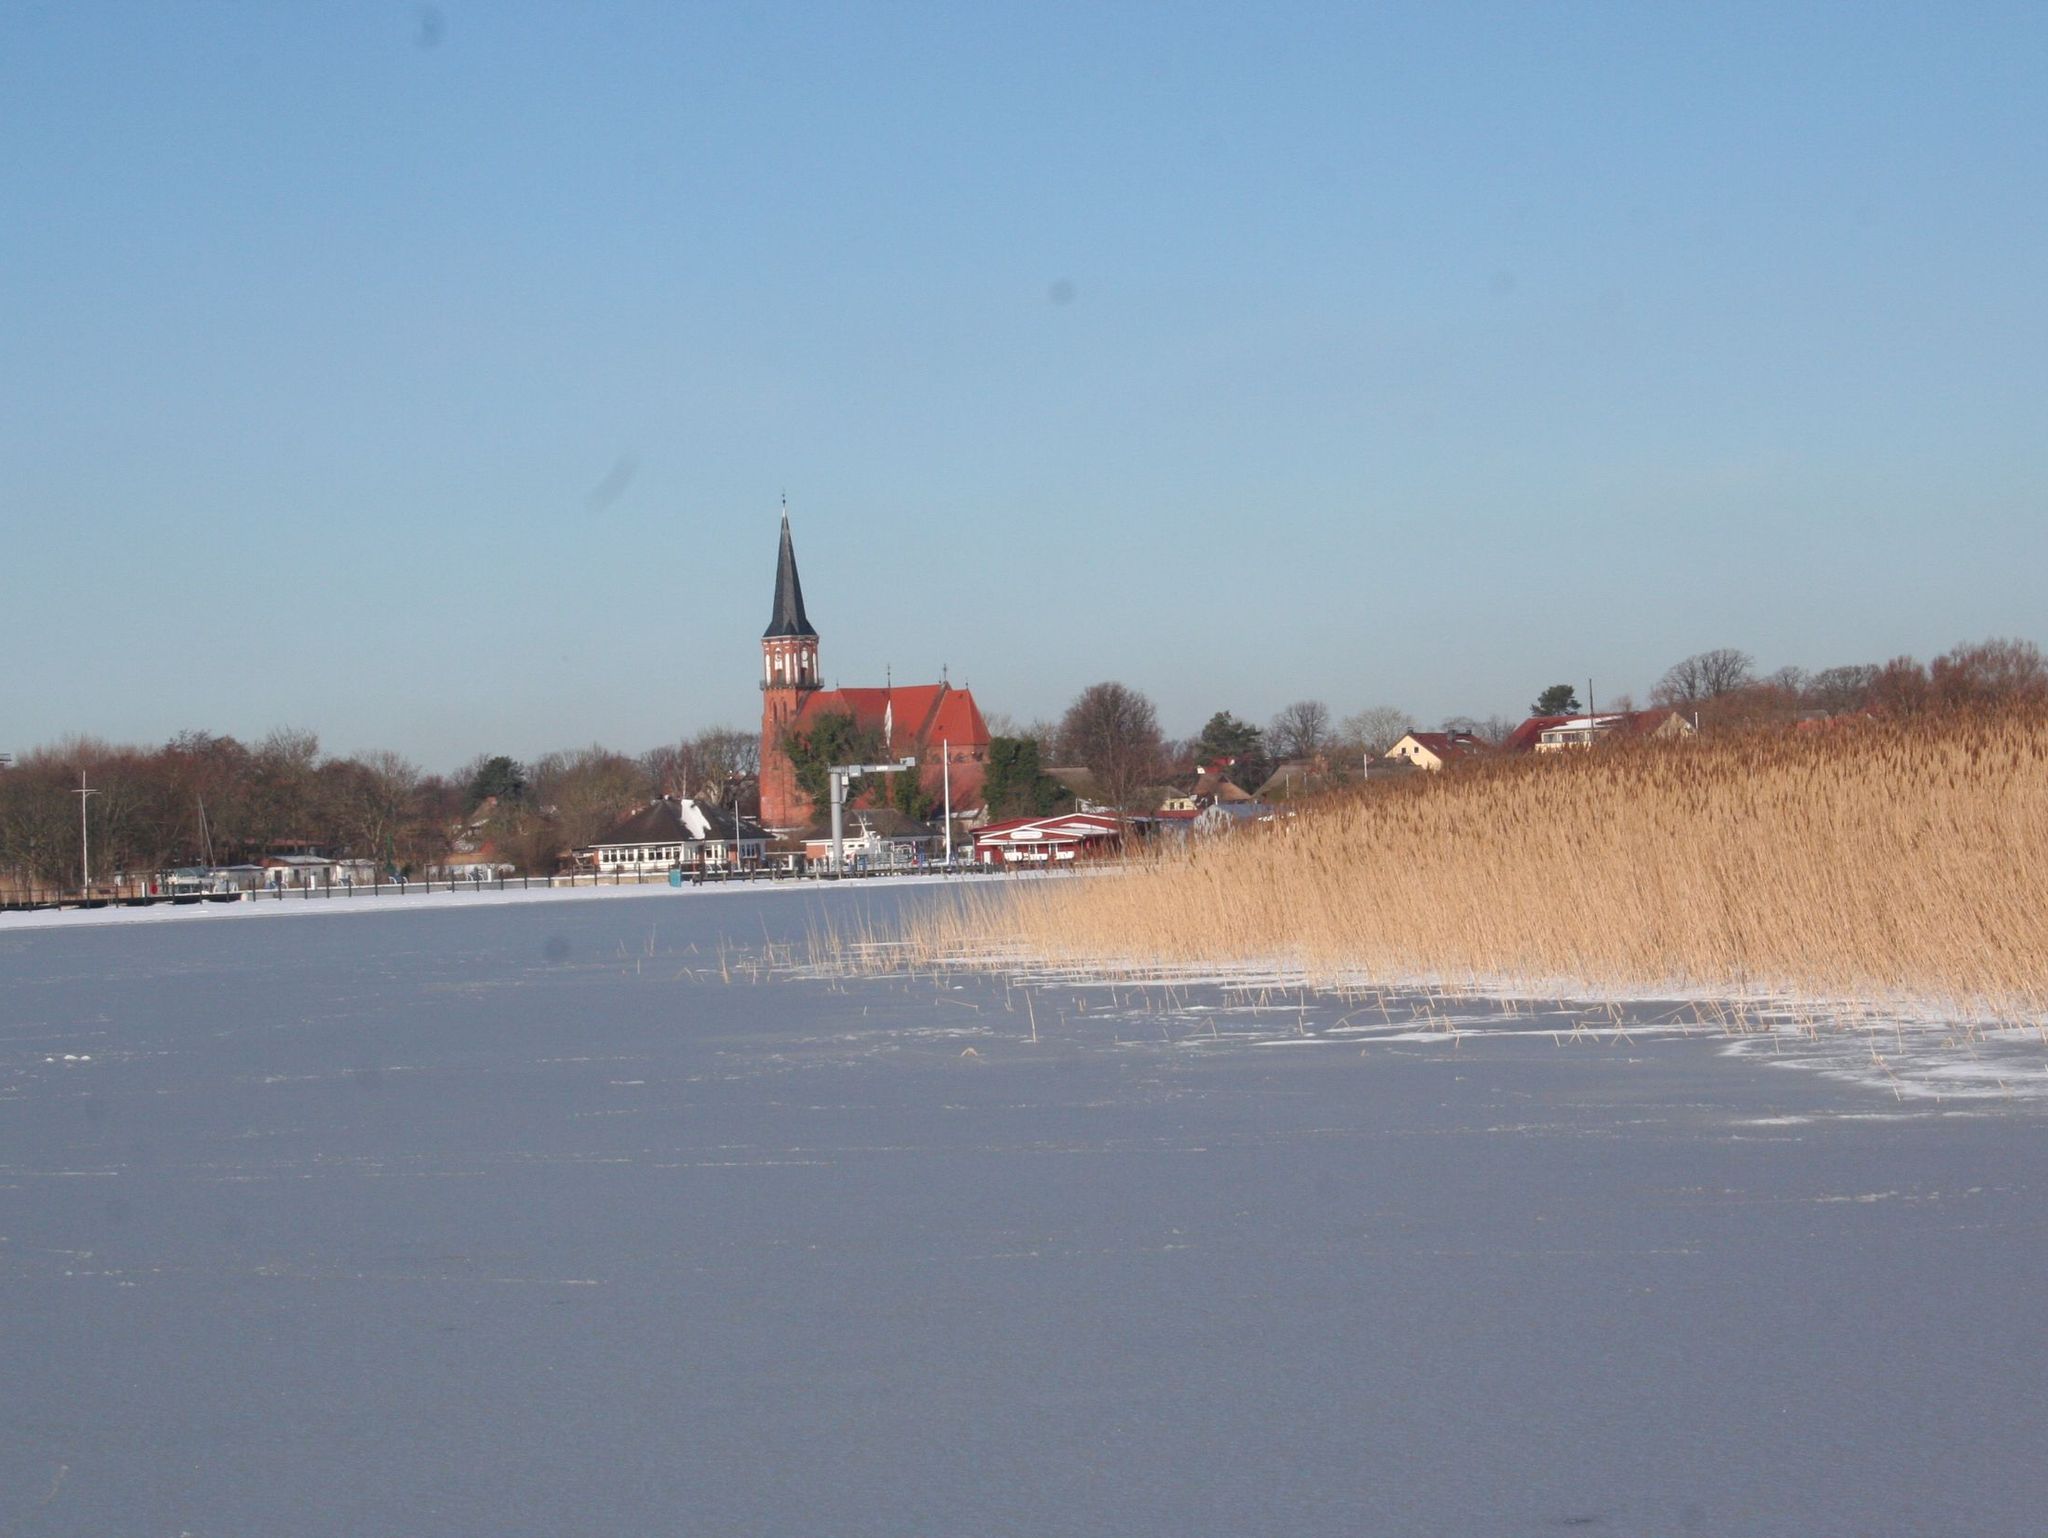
[{"x": 429, "y": 376}]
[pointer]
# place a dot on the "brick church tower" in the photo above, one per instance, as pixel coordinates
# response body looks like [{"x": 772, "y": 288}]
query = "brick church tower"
[{"x": 789, "y": 676}]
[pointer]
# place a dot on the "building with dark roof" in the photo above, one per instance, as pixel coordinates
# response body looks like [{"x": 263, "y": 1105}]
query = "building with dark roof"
[{"x": 678, "y": 832}]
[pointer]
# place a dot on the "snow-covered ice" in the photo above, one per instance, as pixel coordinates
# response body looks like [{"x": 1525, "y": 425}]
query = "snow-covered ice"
[{"x": 582, "y": 1216}]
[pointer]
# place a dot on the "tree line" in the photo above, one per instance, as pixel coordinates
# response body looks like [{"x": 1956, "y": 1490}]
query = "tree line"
[
  {"x": 1113, "y": 730},
  {"x": 206, "y": 799}
]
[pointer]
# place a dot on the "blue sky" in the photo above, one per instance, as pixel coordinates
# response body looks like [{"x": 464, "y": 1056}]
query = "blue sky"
[{"x": 430, "y": 376}]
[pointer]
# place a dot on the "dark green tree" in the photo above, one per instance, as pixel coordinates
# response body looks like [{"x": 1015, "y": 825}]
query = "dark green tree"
[
  {"x": 1015, "y": 785},
  {"x": 1227, "y": 737},
  {"x": 502, "y": 777},
  {"x": 908, "y": 795},
  {"x": 1557, "y": 700}
]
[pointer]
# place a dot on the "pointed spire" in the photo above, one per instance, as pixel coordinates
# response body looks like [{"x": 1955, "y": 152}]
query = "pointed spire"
[{"x": 789, "y": 618}]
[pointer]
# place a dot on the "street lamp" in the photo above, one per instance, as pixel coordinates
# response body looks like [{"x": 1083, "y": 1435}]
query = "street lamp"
[{"x": 84, "y": 841}]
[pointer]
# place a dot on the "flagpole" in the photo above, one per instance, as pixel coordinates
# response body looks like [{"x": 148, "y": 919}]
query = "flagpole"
[{"x": 946, "y": 766}]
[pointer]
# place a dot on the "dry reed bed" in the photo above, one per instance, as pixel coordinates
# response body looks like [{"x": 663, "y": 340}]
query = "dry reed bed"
[{"x": 1894, "y": 862}]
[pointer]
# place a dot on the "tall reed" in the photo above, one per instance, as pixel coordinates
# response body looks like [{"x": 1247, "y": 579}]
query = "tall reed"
[{"x": 1884, "y": 861}]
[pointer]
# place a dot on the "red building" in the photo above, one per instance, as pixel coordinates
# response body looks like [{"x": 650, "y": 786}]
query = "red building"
[
  {"x": 1055, "y": 840},
  {"x": 930, "y": 722}
]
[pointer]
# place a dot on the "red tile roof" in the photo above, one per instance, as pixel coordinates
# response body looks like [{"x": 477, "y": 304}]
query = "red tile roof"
[
  {"x": 1448, "y": 744},
  {"x": 920, "y": 717},
  {"x": 1523, "y": 738}
]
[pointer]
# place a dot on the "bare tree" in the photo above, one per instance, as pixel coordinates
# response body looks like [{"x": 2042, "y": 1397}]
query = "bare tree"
[
  {"x": 1045, "y": 733},
  {"x": 282, "y": 795},
  {"x": 587, "y": 790},
  {"x": 39, "y": 821},
  {"x": 1376, "y": 728},
  {"x": 1114, "y": 731},
  {"x": 726, "y": 752},
  {"x": 1841, "y": 690},
  {"x": 1705, "y": 676},
  {"x": 1301, "y": 730},
  {"x": 1900, "y": 688},
  {"x": 1772, "y": 701},
  {"x": 372, "y": 800},
  {"x": 1995, "y": 672}
]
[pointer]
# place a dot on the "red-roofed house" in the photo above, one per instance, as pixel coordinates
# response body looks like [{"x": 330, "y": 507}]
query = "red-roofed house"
[
  {"x": 1054, "y": 840},
  {"x": 1558, "y": 734},
  {"x": 937, "y": 724},
  {"x": 1523, "y": 739}
]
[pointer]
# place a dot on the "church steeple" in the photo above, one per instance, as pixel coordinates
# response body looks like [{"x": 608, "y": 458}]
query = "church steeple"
[
  {"x": 789, "y": 618},
  {"x": 789, "y": 678}
]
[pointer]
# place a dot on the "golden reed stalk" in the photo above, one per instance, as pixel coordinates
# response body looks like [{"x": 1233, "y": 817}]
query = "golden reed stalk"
[{"x": 1881, "y": 861}]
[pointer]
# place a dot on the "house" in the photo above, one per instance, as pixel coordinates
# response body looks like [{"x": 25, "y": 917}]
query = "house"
[
  {"x": 1229, "y": 816},
  {"x": 1055, "y": 840},
  {"x": 297, "y": 871},
  {"x": 677, "y": 833},
  {"x": 1212, "y": 782},
  {"x": 1432, "y": 750},
  {"x": 1523, "y": 739},
  {"x": 1561, "y": 733},
  {"x": 483, "y": 863},
  {"x": 1169, "y": 822},
  {"x": 938, "y": 725},
  {"x": 1296, "y": 777}
]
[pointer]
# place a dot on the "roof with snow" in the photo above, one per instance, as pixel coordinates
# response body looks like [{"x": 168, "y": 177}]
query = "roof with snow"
[
  {"x": 1525, "y": 737},
  {"x": 1066, "y": 827},
  {"x": 678, "y": 820}
]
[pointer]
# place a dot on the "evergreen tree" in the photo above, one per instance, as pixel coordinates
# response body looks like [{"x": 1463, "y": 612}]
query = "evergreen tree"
[
  {"x": 1015, "y": 785},
  {"x": 1224, "y": 736},
  {"x": 502, "y": 777}
]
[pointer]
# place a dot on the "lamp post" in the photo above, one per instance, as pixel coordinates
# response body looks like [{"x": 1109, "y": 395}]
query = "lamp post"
[{"x": 84, "y": 841}]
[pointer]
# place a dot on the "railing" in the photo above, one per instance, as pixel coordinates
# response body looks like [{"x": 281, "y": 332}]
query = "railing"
[{"x": 346, "y": 891}]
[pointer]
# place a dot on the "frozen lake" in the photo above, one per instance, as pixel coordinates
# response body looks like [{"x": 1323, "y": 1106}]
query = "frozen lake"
[{"x": 573, "y": 1217}]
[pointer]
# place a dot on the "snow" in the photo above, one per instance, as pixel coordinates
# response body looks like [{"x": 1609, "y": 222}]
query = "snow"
[
  {"x": 570, "y": 1215},
  {"x": 441, "y": 900}
]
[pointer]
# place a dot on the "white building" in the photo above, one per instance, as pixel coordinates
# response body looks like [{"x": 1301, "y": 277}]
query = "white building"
[{"x": 678, "y": 833}]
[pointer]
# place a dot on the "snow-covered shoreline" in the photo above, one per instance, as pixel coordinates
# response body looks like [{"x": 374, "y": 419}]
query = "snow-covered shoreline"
[{"x": 440, "y": 900}]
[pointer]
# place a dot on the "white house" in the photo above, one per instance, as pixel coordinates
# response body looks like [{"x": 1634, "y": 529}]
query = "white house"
[{"x": 677, "y": 832}]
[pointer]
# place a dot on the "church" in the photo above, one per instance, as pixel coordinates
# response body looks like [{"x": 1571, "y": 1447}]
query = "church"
[{"x": 937, "y": 724}]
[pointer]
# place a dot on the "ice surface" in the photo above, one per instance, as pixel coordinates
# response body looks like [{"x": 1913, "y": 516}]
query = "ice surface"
[{"x": 607, "y": 1217}]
